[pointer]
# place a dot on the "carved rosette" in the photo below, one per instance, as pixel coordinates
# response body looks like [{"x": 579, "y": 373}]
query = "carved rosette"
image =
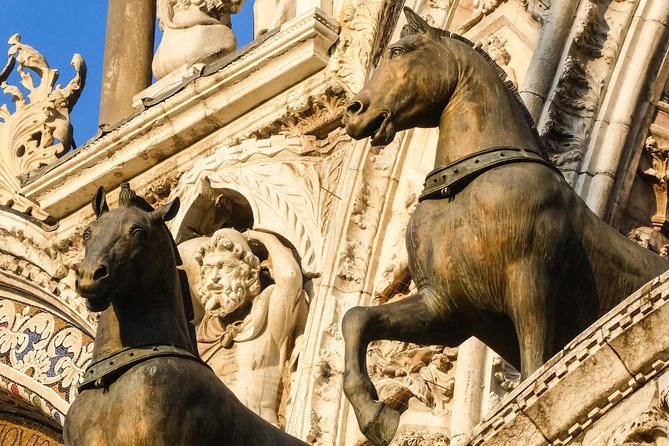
[{"x": 38, "y": 131}]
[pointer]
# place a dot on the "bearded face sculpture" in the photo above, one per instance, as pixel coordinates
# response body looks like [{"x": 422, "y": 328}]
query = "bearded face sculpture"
[{"x": 229, "y": 273}]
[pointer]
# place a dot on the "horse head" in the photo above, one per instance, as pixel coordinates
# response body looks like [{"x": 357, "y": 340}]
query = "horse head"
[
  {"x": 410, "y": 88},
  {"x": 128, "y": 250}
]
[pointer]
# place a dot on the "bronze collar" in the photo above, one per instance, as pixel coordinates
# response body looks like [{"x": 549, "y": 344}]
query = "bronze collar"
[
  {"x": 105, "y": 371},
  {"x": 445, "y": 181}
]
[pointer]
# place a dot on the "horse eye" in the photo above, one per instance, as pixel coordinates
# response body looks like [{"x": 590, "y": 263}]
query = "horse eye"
[
  {"x": 396, "y": 52},
  {"x": 138, "y": 231},
  {"x": 86, "y": 235}
]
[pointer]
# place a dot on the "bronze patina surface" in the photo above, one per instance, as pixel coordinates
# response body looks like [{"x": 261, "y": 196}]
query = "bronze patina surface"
[
  {"x": 513, "y": 256},
  {"x": 147, "y": 385}
]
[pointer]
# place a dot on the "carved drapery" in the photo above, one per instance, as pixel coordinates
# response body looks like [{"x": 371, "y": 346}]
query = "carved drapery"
[{"x": 39, "y": 131}]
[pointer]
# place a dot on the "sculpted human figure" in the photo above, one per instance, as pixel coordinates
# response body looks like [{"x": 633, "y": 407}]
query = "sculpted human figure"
[
  {"x": 194, "y": 31},
  {"x": 247, "y": 331}
]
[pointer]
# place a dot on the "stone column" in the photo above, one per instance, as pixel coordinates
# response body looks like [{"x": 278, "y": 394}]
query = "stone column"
[
  {"x": 468, "y": 388},
  {"x": 542, "y": 68},
  {"x": 127, "y": 61}
]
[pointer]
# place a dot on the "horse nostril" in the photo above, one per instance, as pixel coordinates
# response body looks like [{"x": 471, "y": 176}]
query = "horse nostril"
[
  {"x": 100, "y": 273},
  {"x": 354, "y": 107}
]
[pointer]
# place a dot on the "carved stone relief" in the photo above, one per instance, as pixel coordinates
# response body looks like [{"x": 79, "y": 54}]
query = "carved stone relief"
[
  {"x": 290, "y": 191},
  {"x": 248, "y": 329},
  {"x": 658, "y": 174},
  {"x": 194, "y": 31},
  {"x": 365, "y": 27},
  {"x": 38, "y": 131},
  {"x": 45, "y": 348},
  {"x": 319, "y": 115},
  {"x": 505, "y": 378},
  {"x": 404, "y": 371},
  {"x": 571, "y": 112},
  {"x": 651, "y": 428}
]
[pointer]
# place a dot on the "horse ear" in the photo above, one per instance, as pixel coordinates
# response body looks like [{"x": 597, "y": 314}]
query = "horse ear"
[
  {"x": 416, "y": 22},
  {"x": 167, "y": 212},
  {"x": 100, "y": 202}
]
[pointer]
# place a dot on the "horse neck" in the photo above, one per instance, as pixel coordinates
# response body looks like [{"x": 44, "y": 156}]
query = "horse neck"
[
  {"x": 482, "y": 113},
  {"x": 154, "y": 315}
]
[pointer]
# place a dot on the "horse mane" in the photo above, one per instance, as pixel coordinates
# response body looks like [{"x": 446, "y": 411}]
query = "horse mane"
[{"x": 443, "y": 34}]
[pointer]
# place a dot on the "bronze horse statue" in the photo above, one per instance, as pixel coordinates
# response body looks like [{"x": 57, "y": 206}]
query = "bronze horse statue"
[
  {"x": 146, "y": 384},
  {"x": 500, "y": 246}
]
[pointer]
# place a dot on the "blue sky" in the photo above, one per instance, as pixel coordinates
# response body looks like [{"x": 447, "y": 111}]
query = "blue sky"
[{"x": 58, "y": 29}]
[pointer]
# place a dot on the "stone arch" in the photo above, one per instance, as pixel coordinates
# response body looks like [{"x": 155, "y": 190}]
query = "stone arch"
[
  {"x": 46, "y": 334},
  {"x": 242, "y": 187}
]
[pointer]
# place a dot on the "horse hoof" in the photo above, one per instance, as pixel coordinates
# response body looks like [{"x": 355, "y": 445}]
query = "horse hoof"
[{"x": 384, "y": 426}]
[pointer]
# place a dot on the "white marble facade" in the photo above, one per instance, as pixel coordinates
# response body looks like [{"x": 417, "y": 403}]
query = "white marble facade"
[{"x": 253, "y": 141}]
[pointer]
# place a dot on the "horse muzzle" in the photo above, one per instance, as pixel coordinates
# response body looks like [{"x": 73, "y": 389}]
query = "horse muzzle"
[
  {"x": 92, "y": 284},
  {"x": 362, "y": 122}
]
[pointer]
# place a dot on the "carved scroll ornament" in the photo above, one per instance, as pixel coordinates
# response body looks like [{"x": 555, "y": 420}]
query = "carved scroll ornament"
[{"x": 39, "y": 130}]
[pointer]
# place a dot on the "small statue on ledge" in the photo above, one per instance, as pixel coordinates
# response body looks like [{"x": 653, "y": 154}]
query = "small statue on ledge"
[
  {"x": 194, "y": 31},
  {"x": 248, "y": 330}
]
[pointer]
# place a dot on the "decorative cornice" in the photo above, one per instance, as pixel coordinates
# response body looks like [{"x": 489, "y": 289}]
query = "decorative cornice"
[{"x": 221, "y": 94}]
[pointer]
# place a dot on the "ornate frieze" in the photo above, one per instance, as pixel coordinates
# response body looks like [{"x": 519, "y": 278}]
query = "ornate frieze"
[
  {"x": 38, "y": 131},
  {"x": 45, "y": 348},
  {"x": 318, "y": 115}
]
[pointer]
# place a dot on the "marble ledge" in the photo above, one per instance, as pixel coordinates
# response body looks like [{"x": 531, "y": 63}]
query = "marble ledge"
[
  {"x": 222, "y": 92},
  {"x": 603, "y": 366}
]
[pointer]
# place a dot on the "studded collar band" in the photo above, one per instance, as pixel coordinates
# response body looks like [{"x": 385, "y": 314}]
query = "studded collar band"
[
  {"x": 445, "y": 181},
  {"x": 104, "y": 372}
]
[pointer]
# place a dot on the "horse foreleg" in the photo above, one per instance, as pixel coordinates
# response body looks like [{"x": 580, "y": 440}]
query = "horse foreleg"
[
  {"x": 410, "y": 320},
  {"x": 532, "y": 300}
]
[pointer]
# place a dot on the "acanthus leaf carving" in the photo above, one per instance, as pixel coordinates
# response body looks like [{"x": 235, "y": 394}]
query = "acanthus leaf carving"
[
  {"x": 289, "y": 190},
  {"x": 353, "y": 259},
  {"x": 39, "y": 130},
  {"x": 352, "y": 58},
  {"x": 575, "y": 103},
  {"x": 658, "y": 174}
]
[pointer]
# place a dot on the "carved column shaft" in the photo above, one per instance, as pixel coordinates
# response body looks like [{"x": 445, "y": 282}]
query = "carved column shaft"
[
  {"x": 542, "y": 68},
  {"x": 468, "y": 389},
  {"x": 128, "y": 52}
]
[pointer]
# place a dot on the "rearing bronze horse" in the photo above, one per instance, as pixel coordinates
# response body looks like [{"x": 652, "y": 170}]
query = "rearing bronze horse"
[
  {"x": 147, "y": 386},
  {"x": 500, "y": 247}
]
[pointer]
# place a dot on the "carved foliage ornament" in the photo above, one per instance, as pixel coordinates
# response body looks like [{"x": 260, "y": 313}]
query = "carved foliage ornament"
[
  {"x": 658, "y": 174},
  {"x": 39, "y": 130},
  {"x": 42, "y": 347},
  {"x": 649, "y": 427}
]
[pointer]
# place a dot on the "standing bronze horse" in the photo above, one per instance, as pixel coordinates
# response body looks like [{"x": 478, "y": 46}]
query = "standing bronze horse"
[
  {"x": 500, "y": 247},
  {"x": 147, "y": 386}
]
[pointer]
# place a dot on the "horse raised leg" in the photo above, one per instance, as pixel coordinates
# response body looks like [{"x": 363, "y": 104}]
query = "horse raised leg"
[{"x": 411, "y": 319}]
